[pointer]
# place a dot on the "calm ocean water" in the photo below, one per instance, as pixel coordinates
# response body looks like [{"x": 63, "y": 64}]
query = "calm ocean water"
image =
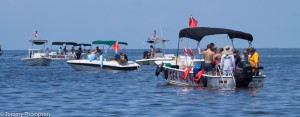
[{"x": 61, "y": 91}]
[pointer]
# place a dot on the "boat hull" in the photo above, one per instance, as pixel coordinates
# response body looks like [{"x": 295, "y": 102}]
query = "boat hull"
[
  {"x": 61, "y": 57},
  {"x": 152, "y": 61},
  {"x": 174, "y": 76},
  {"x": 36, "y": 61},
  {"x": 85, "y": 65}
]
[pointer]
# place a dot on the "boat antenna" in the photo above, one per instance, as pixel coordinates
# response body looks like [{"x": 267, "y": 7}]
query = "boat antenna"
[{"x": 162, "y": 36}]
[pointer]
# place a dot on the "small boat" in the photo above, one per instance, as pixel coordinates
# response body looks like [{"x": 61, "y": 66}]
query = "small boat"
[
  {"x": 107, "y": 63},
  {"x": 55, "y": 55},
  {"x": 175, "y": 72},
  {"x": 37, "y": 57},
  {"x": 159, "y": 54}
]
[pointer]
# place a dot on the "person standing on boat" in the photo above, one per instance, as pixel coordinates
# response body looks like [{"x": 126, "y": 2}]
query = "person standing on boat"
[
  {"x": 208, "y": 59},
  {"x": 59, "y": 51},
  {"x": 78, "y": 53},
  {"x": 237, "y": 57},
  {"x": 151, "y": 51},
  {"x": 254, "y": 60},
  {"x": 227, "y": 63},
  {"x": 65, "y": 50},
  {"x": 219, "y": 55},
  {"x": 47, "y": 52},
  {"x": 98, "y": 51},
  {"x": 73, "y": 50},
  {"x": 245, "y": 56}
]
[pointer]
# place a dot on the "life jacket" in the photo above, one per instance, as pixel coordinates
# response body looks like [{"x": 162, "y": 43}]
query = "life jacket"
[
  {"x": 186, "y": 73},
  {"x": 199, "y": 74}
]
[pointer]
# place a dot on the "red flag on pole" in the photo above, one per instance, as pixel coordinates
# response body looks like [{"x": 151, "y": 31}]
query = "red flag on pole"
[
  {"x": 193, "y": 23},
  {"x": 35, "y": 34},
  {"x": 185, "y": 51},
  {"x": 116, "y": 47},
  {"x": 191, "y": 52},
  {"x": 154, "y": 34}
]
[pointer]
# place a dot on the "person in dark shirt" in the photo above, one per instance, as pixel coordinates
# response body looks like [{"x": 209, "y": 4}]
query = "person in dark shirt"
[{"x": 237, "y": 57}]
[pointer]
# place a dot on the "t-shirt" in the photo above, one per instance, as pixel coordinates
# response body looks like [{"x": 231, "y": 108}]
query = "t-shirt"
[
  {"x": 254, "y": 59},
  {"x": 245, "y": 58},
  {"x": 227, "y": 62}
]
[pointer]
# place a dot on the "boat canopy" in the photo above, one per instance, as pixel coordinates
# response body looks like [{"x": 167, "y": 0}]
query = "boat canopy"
[
  {"x": 110, "y": 43},
  {"x": 62, "y": 43},
  {"x": 83, "y": 44},
  {"x": 157, "y": 41},
  {"x": 199, "y": 32},
  {"x": 38, "y": 42}
]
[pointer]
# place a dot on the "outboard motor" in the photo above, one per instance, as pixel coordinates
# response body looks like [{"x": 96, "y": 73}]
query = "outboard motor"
[
  {"x": 159, "y": 69},
  {"x": 243, "y": 75}
]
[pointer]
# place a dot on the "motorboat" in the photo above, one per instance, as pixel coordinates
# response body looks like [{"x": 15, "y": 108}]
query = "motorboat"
[
  {"x": 67, "y": 55},
  {"x": 159, "y": 53},
  {"x": 37, "y": 57},
  {"x": 86, "y": 47},
  {"x": 184, "y": 70},
  {"x": 103, "y": 60}
]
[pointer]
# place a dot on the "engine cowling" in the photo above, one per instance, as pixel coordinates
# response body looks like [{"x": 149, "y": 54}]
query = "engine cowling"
[{"x": 243, "y": 74}]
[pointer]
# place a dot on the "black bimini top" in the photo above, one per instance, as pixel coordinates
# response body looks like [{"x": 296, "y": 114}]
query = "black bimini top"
[
  {"x": 83, "y": 44},
  {"x": 62, "y": 43},
  {"x": 38, "y": 42},
  {"x": 199, "y": 32},
  {"x": 157, "y": 41}
]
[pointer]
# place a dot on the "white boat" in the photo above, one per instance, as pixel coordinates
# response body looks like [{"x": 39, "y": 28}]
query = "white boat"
[
  {"x": 173, "y": 71},
  {"x": 159, "y": 54},
  {"x": 55, "y": 55},
  {"x": 36, "y": 57},
  {"x": 107, "y": 63}
]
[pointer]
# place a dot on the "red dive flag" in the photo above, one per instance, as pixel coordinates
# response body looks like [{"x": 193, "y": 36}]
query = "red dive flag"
[
  {"x": 185, "y": 51},
  {"x": 191, "y": 52},
  {"x": 35, "y": 33},
  {"x": 193, "y": 23},
  {"x": 116, "y": 47}
]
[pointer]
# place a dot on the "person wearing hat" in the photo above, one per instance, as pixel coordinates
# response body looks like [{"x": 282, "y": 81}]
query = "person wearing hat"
[
  {"x": 254, "y": 60},
  {"x": 227, "y": 63},
  {"x": 208, "y": 59}
]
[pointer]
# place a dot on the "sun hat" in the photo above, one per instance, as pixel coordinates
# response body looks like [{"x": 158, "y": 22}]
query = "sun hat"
[{"x": 227, "y": 50}]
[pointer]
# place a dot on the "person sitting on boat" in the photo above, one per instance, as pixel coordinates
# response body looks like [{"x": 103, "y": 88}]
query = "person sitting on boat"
[
  {"x": 237, "y": 57},
  {"x": 245, "y": 56},
  {"x": 59, "y": 51},
  {"x": 65, "y": 50},
  {"x": 227, "y": 63},
  {"x": 146, "y": 55},
  {"x": 254, "y": 60},
  {"x": 208, "y": 59},
  {"x": 123, "y": 59},
  {"x": 98, "y": 51},
  {"x": 151, "y": 51}
]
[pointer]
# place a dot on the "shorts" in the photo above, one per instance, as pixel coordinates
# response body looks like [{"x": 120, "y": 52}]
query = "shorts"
[{"x": 208, "y": 68}]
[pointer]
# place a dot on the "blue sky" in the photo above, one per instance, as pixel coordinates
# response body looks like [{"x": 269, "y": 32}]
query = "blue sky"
[{"x": 273, "y": 23}]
